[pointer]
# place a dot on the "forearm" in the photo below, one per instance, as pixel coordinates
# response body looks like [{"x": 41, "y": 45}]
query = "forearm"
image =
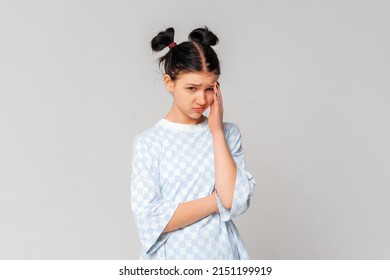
[
  {"x": 191, "y": 211},
  {"x": 225, "y": 169}
]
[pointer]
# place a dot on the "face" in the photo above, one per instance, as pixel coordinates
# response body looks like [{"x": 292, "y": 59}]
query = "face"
[{"x": 193, "y": 93}]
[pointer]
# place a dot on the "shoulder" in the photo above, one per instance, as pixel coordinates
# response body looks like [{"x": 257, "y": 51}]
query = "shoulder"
[
  {"x": 233, "y": 137},
  {"x": 231, "y": 130},
  {"x": 148, "y": 137}
]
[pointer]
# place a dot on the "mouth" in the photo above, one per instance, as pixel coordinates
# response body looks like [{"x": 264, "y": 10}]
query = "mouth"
[{"x": 199, "y": 109}]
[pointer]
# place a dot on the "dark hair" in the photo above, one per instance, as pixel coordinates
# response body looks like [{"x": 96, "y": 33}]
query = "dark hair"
[{"x": 193, "y": 55}]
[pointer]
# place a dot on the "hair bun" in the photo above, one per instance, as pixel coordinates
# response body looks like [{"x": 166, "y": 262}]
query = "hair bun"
[
  {"x": 203, "y": 36},
  {"x": 162, "y": 39}
]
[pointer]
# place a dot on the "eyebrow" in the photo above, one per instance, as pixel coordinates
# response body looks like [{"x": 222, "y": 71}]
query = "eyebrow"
[{"x": 197, "y": 85}]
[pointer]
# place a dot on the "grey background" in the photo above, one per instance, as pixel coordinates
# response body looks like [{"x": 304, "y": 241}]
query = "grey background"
[{"x": 307, "y": 82}]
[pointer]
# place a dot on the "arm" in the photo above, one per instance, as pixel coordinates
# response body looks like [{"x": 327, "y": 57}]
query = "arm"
[
  {"x": 155, "y": 216},
  {"x": 225, "y": 167},
  {"x": 233, "y": 183},
  {"x": 244, "y": 183},
  {"x": 191, "y": 211}
]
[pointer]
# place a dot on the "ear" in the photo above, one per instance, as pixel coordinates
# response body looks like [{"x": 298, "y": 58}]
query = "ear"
[{"x": 169, "y": 83}]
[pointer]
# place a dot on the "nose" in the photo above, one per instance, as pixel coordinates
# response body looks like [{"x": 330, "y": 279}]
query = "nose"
[{"x": 201, "y": 98}]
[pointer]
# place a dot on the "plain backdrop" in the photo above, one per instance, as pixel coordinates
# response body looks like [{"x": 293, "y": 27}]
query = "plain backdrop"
[{"x": 307, "y": 82}]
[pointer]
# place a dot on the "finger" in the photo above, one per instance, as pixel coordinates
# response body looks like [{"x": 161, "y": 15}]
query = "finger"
[
  {"x": 215, "y": 88},
  {"x": 220, "y": 101},
  {"x": 216, "y": 97},
  {"x": 219, "y": 94}
]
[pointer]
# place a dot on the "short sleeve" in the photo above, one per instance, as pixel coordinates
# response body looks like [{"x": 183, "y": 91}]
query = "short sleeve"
[
  {"x": 152, "y": 213},
  {"x": 245, "y": 183}
]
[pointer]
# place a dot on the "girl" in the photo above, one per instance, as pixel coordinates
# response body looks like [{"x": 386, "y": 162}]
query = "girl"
[{"x": 188, "y": 172}]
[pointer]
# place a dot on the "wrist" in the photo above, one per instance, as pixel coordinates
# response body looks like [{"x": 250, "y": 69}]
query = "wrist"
[
  {"x": 214, "y": 204},
  {"x": 217, "y": 132}
]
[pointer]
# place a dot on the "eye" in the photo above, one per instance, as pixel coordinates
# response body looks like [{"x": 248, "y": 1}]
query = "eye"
[
  {"x": 191, "y": 88},
  {"x": 210, "y": 89}
]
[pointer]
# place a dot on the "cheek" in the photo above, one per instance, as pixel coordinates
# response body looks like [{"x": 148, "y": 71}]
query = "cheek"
[{"x": 181, "y": 98}]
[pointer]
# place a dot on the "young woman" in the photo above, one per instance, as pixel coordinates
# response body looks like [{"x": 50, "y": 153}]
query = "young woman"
[{"x": 188, "y": 172}]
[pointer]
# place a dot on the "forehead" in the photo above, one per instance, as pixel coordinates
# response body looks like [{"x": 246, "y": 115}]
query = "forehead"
[{"x": 197, "y": 78}]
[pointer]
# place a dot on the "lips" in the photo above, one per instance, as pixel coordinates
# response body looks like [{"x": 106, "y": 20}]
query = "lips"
[{"x": 199, "y": 109}]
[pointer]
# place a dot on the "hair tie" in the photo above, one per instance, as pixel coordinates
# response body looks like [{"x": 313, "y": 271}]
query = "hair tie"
[{"x": 171, "y": 45}]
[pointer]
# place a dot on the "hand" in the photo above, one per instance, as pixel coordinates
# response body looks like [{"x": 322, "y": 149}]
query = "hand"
[
  {"x": 213, "y": 195},
  {"x": 216, "y": 111}
]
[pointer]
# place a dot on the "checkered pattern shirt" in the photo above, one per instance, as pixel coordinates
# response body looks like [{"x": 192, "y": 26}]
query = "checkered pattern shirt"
[{"x": 173, "y": 163}]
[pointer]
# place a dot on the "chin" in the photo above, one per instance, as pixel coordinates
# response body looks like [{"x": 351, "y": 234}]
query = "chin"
[{"x": 196, "y": 116}]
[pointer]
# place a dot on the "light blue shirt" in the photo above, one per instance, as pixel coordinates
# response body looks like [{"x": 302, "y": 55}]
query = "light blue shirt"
[{"x": 173, "y": 163}]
